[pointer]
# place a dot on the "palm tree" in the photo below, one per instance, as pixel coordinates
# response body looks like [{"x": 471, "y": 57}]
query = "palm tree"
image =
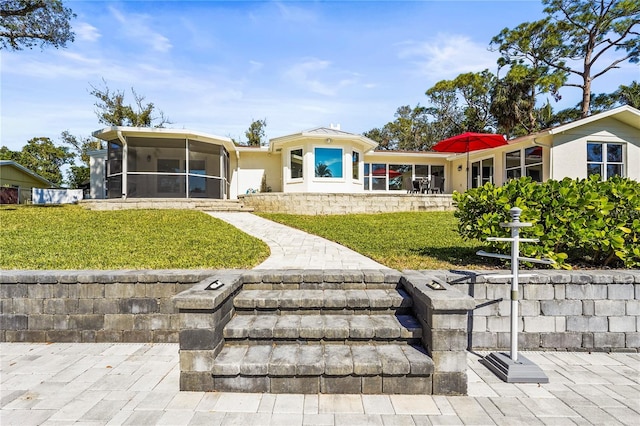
[{"x": 322, "y": 170}]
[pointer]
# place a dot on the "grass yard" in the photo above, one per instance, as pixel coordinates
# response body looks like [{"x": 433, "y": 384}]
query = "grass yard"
[
  {"x": 415, "y": 240},
  {"x": 69, "y": 237}
]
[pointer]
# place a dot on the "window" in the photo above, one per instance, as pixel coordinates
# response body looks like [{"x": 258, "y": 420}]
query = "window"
[
  {"x": 295, "y": 163},
  {"x": 605, "y": 159},
  {"x": 328, "y": 162},
  {"x": 529, "y": 164},
  {"x": 481, "y": 172},
  {"x": 355, "y": 165},
  {"x": 399, "y": 176}
]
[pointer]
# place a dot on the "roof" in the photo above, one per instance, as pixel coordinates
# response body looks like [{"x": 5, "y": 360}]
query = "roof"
[
  {"x": 111, "y": 133},
  {"x": 323, "y": 133},
  {"x": 22, "y": 168},
  {"x": 625, "y": 114}
]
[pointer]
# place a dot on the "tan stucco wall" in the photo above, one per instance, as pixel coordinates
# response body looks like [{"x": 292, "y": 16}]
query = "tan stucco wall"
[{"x": 10, "y": 176}]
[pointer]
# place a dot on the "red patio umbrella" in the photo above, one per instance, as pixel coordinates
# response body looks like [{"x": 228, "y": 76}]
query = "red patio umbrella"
[
  {"x": 383, "y": 173},
  {"x": 468, "y": 142}
]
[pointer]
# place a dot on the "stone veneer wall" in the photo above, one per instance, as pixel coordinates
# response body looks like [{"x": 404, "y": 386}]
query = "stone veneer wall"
[
  {"x": 558, "y": 310},
  {"x": 315, "y": 203},
  {"x": 92, "y": 306}
]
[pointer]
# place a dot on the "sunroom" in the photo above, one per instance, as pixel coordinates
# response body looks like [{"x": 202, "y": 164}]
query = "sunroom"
[{"x": 165, "y": 163}]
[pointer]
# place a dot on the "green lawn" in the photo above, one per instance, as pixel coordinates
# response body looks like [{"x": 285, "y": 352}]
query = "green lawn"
[
  {"x": 416, "y": 240},
  {"x": 70, "y": 237}
]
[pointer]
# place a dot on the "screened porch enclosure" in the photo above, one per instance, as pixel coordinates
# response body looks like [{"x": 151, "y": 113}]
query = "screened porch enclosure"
[{"x": 167, "y": 168}]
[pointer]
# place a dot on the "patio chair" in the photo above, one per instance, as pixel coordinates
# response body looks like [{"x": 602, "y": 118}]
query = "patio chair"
[
  {"x": 437, "y": 185},
  {"x": 416, "y": 187}
]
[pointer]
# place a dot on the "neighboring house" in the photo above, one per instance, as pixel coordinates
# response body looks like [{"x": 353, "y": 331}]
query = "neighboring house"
[
  {"x": 16, "y": 182},
  {"x": 172, "y": 163}
]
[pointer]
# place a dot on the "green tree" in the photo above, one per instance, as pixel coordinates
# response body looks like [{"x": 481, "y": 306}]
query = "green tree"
[
  {"x": 585, "y": 31},
  {"x": 470, "y": 94},
  {"x": 447, "y": 113},
  {"x": 382, "y": 136},
  {"x": 112, "y": 110},
  {"x": 255, "y": 133},
  {"x": 410, "y": 131},
  {"x": 28, "y": 23},
  {"x": 627, "y": 95},
  {"x": 43, "y": 157},
  {"x": 7, "y": 154},
  {"x": 78, "y": 174}
]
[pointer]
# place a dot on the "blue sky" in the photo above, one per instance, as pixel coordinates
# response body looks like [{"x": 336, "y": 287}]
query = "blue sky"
[{"x": 214, "y": 66}]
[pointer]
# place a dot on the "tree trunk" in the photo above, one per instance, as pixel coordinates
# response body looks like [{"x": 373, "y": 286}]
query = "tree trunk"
[{"x": 586, "y": 95}]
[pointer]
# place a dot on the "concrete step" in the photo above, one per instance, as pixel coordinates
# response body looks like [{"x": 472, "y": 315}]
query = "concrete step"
[
  {"x": 323, "y": 368},
  {"x": 346, "y": 328},
  {"x": 315, "y": 301},
  {"x": 167, "y": 203}
]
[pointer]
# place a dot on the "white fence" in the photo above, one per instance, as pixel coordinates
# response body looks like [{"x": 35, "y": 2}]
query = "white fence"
[{"x": 56, "y": 196}]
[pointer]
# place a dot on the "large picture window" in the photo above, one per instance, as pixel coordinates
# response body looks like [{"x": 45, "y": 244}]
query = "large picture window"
[
  {"x": 328, "y": 162},
  {"x": 605, "y": 159},
  {"x": 295, "y": 163}
]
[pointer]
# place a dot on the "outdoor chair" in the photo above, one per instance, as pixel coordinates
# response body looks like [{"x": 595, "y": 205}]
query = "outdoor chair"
[
  {"x": 416, "y": 187},
  {"x": 437, "y": 185}
]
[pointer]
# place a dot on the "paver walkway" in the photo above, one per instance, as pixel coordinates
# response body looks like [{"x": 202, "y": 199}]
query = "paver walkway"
[
  {"x": 295, "y": 249},
  {"x": 137, "y": 384}
]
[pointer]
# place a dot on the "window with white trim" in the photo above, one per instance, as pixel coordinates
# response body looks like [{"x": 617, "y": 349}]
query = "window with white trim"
[
  {"x": 605, "y": 159},
  {"x": 525, "y": 162},
  {"x": 295, "y": 163}
]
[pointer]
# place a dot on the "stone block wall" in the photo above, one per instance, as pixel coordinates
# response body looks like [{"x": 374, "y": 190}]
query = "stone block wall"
[
  {"x": 442, "y": 311},
  {"x": 318, "y": 204},
  {"x": 92, "y": 306},
  {"x": 558, "y": 310}
]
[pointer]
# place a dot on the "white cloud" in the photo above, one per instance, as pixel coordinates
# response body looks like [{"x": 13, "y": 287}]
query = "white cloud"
[
  {"x": 447, "y": 56},
  {"x": 86, "y": 32},
  {"x": 308, "y": 74},
  {"x": 294, "y": 14},
  {"x": 255, "y": 66},
  {"x": 136, "y": 27}
]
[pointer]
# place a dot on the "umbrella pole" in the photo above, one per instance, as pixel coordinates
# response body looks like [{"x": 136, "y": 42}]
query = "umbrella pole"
[{"x": 467, "y": 165}]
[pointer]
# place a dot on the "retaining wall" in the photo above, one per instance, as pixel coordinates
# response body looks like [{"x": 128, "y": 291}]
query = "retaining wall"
[
  {"x": 92, "y": 306},
  {"x": 558, "y": 310},
  {"x": 563, "y": 310},
  {"x": 320, "y": 204}
]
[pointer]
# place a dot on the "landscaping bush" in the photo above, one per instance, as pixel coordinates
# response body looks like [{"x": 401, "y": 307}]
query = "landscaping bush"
[{"x": 578, "y": 222}]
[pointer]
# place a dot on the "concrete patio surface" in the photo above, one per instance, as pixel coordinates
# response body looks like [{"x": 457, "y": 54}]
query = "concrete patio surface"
[{"x": 137, "y": 384}]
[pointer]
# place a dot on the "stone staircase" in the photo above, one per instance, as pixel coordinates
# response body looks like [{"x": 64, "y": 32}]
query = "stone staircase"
[{"x": 324, "y": 338}]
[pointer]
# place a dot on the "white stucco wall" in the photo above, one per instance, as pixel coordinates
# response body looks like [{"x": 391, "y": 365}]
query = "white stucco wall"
[
  {"x": 311, "y": 183},
  {"x": 97, "y": 170},
  {"x": 248, "y": 170},
  {"x": 569, "y": 155}
]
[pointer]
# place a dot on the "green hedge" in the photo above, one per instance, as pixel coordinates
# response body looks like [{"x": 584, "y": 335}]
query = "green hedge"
[{"x": 578, "y": 222}]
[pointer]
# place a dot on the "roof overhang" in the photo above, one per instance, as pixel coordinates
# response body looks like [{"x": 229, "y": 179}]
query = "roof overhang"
[
  {"x": 111, "y": 133},
  {"x": 323, "y": 134},
  {"x": 625, "y": 114}
]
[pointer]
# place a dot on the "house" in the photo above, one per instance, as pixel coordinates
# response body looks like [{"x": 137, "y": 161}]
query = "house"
[
  {"x": 172, "y": 163},
  {"x": 16, "y": 182}
]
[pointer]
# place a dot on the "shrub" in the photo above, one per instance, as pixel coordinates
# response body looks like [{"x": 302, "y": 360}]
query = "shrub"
[{"x": 581, "y": 221}]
